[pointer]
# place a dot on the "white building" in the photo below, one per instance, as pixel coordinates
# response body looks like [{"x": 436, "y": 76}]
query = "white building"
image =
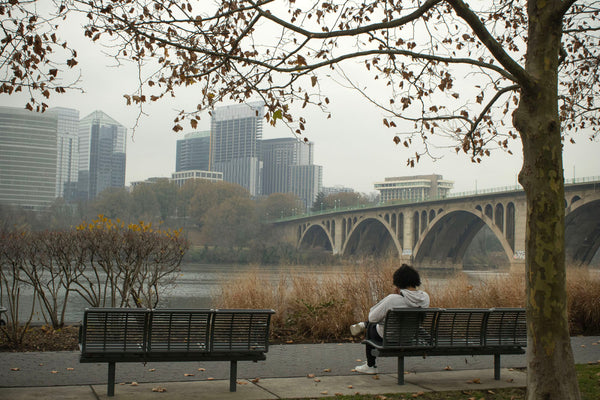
[{"x": 413, "y": 188}]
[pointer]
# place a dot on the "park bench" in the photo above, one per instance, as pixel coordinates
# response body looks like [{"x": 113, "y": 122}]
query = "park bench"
[
  {"x": 442, "y": 332},
  {"x": 115, "y": 335}
]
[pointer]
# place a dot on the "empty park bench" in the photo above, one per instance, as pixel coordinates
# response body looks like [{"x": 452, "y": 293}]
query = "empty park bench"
[
  {"x": 443, "y": 332},
  {"x": 115, "y": 335}
]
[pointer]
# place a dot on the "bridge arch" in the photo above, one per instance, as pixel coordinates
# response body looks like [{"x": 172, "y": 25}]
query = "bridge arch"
[
  {"x": 316, "y": 236},
  {"x": 448, "y": 236},
  {"x": 582, "y": 229},
  {"x": 371, "y": 236}
]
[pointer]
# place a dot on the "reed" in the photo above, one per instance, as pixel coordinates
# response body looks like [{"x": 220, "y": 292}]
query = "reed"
[{"x": 316, "y": 308}]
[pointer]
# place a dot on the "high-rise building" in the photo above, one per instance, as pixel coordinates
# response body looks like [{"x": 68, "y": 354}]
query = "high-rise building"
[
  {"x": 67, "y": 157},
  {"x": 101, "y": 154},
  {"x": 414, "y": 188},
  {"x": 235, "y": 144},
  {"x": 306, "y": 182},
  {"x": 27, "y": 158},
  {"x": 193, "y": 152},
  {"x": 288, "y": 168}
]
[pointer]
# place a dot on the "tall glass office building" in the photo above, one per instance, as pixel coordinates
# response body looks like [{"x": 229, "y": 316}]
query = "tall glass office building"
[
  {"x": 288, "y": 168},
  {"x": 193, "y": 152},
  {"x": 67, "y": 157},
  {"x": 101, "y": 154},
  {"x": 28, "y": 158},
  {"x": 235, "y": 144}
]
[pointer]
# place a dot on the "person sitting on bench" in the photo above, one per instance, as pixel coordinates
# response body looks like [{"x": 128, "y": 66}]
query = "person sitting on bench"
[{"x": 406, "y": 280}]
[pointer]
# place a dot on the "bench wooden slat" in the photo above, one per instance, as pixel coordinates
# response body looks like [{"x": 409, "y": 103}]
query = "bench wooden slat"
[
  {"x": 179, "y": 331},
  {"x": 235, "y": 330}
]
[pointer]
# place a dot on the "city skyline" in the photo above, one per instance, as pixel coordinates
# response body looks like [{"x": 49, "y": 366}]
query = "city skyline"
[{"x": 353, "y": 146}]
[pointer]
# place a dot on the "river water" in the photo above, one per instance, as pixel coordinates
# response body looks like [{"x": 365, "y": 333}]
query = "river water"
[{"x": 197, "y": 283}]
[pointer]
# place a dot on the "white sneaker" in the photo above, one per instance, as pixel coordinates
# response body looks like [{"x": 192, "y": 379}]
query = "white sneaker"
[
  {"x": 357, "y": 329},
  {"x": 365, "y": 369}
]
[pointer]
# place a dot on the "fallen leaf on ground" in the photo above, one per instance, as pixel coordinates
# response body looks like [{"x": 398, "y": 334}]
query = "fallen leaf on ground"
[
  {"x": 327, "y": 370},
  {"x": 70, "y": 369},
  {"x": 376, "y": 377},
  {"x": 201, "y": 369},
  {"x": 54, "y": 372},
  {"x": 289, "y": 341},
  {"x": 349, "y": 386},
  {"x": 159, "y": 389},
  {"x": 151, "y": 370},
  {"x": 476, "y": 380},
  {"x": 310, "y": 375},
  {"x": 210, "y": 378},
  {"x": 491, "y": 392},
  {"x": 583, "y": 345},
  {"x": 324, "y": 392},
  {"x": 510, "y": 380},
  {"x": 15, "y": 369},
  {"x": 358, "y": 360},
  {"x": 41, "y": 364},
  {"x": 338, "y": 394},
  {"x": 255, "y": 380},
  {"x": 448, "y": 368},
  {"x": 352, "y": 370},
  {"x": 317, "y": 380},
  {"x": 134, "y": 384},
  {"x": 242, "y": 382},
  {"x": 188, "y": 374}
]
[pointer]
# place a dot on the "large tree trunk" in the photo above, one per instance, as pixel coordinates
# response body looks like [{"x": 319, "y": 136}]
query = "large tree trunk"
[{"x": 550, "y": 363}]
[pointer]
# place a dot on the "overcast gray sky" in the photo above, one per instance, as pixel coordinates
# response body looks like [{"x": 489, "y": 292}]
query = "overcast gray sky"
[{"x": 354, "y": 147}]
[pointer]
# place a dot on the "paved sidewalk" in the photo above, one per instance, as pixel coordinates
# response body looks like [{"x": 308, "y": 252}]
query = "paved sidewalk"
[{"x": 290, "y": 371}]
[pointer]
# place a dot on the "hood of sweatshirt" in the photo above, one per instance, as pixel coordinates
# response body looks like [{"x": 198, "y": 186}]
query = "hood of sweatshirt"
[{"x": 415, "y": 298}]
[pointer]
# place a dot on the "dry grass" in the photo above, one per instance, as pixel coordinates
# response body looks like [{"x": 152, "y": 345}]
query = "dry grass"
[{"x": 313, "y": 308}]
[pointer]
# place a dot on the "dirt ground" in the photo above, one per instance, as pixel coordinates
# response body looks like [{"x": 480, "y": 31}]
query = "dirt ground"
[{"x": 42, "y": 338}]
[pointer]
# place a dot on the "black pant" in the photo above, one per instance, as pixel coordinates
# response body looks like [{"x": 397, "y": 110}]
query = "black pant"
[{"x": 371, "y": 334}]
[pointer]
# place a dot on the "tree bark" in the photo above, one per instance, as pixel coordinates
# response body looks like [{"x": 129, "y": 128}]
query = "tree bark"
[{"x": 550, "y": 364}]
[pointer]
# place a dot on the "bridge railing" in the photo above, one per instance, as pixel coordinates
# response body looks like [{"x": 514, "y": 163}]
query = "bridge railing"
[{"x": 499, "y": 189}]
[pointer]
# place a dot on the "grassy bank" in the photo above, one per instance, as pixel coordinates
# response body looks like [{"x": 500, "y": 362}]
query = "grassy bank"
[{"x": 316, "y": 308}]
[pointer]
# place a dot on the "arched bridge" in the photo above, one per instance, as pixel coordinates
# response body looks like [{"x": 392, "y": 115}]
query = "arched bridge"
[{"x": 437, "y": 233}]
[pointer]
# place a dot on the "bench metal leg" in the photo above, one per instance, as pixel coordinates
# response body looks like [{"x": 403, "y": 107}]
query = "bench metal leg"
[
  {"x": 110, "y": 390},
  {"x": 400, "y": 370},
  {"x": 233, "y": 376},
  {"x": 497, "y": 367}
]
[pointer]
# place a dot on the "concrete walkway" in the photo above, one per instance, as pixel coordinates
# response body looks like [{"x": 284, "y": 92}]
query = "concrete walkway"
[{"x": 290, "y": 371}]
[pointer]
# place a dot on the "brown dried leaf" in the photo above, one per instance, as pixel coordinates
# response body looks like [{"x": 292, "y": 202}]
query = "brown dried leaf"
[
  {"x": 255, "y": 380},
  {"x": 15, "y": 369},
  {"x": 159, "y": 389},
  {"x": 134, "y": 384},
  {"x": 327, "y": 370},
  {"x": 310, "y": 375},
  {"x": 188, "y": 374}
]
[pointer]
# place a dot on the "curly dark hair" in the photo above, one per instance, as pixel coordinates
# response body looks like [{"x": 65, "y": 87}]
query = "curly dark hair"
[{"x": 406, "y": 276}]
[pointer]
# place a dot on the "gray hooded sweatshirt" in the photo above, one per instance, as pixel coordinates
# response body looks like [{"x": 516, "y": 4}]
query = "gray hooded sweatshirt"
[{"x": 406, "y": 298}]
